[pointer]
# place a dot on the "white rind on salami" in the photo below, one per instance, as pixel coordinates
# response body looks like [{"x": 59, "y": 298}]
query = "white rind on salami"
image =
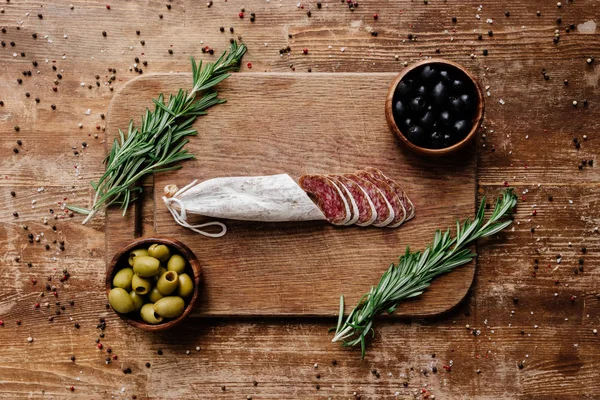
[
  {"x": 384, "y": 210},
  {"x": 367, "y": 212},
  {"x": 348, "y": 217},
  {"x": 408, "y": 204},
  {"x": 354, "y": 213},
  {"x": 370, "y": 221},
  {"x": 390, "y": 195}
]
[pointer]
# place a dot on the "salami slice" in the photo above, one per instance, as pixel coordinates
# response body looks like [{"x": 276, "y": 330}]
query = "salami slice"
[
  {"x": 354, "y": 213},
  {"x": 328, "y": 196},
  {"x": 408, "y": 205},
  {"x": 367, "y": 214},
  {"x": 385, "y": 212},
  {"x": 390, "y": 195}
]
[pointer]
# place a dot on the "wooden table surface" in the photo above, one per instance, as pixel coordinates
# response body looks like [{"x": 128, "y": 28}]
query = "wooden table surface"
[{"x": 527, "y": 328}]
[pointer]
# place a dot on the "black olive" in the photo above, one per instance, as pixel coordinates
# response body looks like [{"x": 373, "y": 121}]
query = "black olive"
[
  {"x": 416, "y": 135},
  {"x": 417, "y": 104},
  {"x": 444, "y": 118},
  {"x": 445, "y": 75},
  {"x": 436, "y": 139},
  {"x": 399, "y": 109},
  {"x": 404, "y": 88},
  {"x": 461, "y": 128},
  {"x": 427, "y": 120},
  {"x": 421, "y": 91},
  {"x": 405, "y": 123},
  {"x": 456, "y": 104},
  {"x": 439, "y": 93},
  {"x": 447, "y": 140},
  {"x": 467, "y": 100},
  {"x": 458, "y": 86},
  {"x": 428, "y": 73}
]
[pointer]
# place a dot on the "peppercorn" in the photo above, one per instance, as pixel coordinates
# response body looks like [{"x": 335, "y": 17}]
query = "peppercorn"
[
  {"x": 374, "y": 33},
  {"x": 490, "y": 33},
  {"x": 19, "y": 81},
  {"x": 168, "y": 6},
  {"x": 160, "y": 16},
  {"x": 143, "y": 42},
  {"x": 308, "y": 13},
  {"x": 538, "y": 13},
  {"x": 40, "y": 16},
  {"x": 485, "y": 52},
  {"x": 507, "y": 13},
  {"x": 170, "y": 51},
  {"x": 12, "y": 44},
  {"x": 319, "y": 5},
  {"x": 147, "y": 365},
  {"x": 53, "y": 106},
  {"x": 104, "y": 33},
  {"x": 454, "y": 20},
  {"x": 559, "y": 20},
  {"x": 137, "y": 32},
  {"x": 3, "y": 30},
  {"x": 231, "y": 29},
  {"x": 159, "y": 352}
]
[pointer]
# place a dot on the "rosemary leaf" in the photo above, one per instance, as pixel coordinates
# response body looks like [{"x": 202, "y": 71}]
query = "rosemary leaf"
[
  {"x": 157, "y": 144},
  {"x": 415, "y": 271}
]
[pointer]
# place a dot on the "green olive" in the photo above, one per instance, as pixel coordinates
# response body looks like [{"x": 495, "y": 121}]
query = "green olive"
[
  {"x": 135, "y": 253},
  {"x": 120, "y": 300},
  {"x": 176, "y": 263},
  {"x": 140, "y": 285},
  {"x": 138, "y": 300},
  {"x": 122, "y": 279},
  {"x": 155, "y": 295},
  {"x": 161, "y": 271},
  {"x": 186, "y": 286},
  {"x": 145, "y": 266},
  {"x": 149, "y": 316},
  {"x": 159, "y": 251},
  {"x": 167, "y": 283},
  {"x": 170, "y": 306}
]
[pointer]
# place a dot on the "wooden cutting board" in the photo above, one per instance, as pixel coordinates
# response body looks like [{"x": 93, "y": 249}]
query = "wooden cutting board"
[{"x": 299, "y": 123}]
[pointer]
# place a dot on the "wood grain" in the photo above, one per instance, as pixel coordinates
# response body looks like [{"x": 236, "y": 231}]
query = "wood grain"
[
  {"x": 528, "y": 142},
  {"x": 301, "y": 124}
]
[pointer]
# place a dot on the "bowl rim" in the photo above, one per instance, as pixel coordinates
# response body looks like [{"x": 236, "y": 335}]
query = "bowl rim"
[
  {"x": 423, "y": 150},
  {"x": 181, "y": 248}
]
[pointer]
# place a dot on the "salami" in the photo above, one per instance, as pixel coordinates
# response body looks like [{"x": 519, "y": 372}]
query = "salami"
[
  {"x": 365, "y": 207},
  {"x": 354, "y": 213},
  {"x": 328, "y": 196},
  {"x": 390, "y": 195},
  {"x": 385, "y": 212},
  {"x": 408, "y": 205}
]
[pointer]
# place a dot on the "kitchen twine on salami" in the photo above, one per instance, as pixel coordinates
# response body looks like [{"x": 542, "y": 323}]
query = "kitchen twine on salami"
[{"x": 181, "y": 216}]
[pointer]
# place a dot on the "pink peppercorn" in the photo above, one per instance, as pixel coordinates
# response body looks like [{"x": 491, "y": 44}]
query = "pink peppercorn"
[
  {"x": 375, "y": 17},
  {"x": 37, "y": 305},
  {"x": 108, "y": 6},
  {"x": 305, "y": 51},
  {"x": 72, "y": 388},
  {"x": 249, "y": 65},
  {"x": 534, "y": 212},
  {"x": 241, "y": 14},
  {"x": 1, "y": 323},
  {"x": 114, "y": 357},
  {"x": 100, "y": 346}
]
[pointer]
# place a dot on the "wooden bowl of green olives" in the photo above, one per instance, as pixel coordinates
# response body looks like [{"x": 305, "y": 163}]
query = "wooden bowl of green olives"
[{"x": 152, "y": 283}]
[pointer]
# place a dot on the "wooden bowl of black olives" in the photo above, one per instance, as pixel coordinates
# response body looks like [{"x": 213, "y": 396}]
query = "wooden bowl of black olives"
[
  {"x": 435, "y": 107},
  {"x": 152, "y": 283}
]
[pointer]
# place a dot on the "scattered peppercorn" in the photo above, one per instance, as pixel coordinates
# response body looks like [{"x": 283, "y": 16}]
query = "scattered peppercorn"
[
  {"x": 104, "y": 33},
  {"x": 170, "y": 51}
]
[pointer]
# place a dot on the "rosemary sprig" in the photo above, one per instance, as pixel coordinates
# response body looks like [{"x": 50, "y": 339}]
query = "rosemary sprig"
[
  {"x": 157, "y": 144},
  {"x": 415, "y": 271}
]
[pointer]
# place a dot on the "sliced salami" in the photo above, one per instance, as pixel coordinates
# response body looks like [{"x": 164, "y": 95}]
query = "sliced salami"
[
  {"x": 408, "y": 205},
  {"x": 354, "y": 213},
  {"x": 367, "y": 214},
  {"x": 390, "y": 195},
  {"x": 328, "y": 196},
  {"x": 385, "y": 212}
]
